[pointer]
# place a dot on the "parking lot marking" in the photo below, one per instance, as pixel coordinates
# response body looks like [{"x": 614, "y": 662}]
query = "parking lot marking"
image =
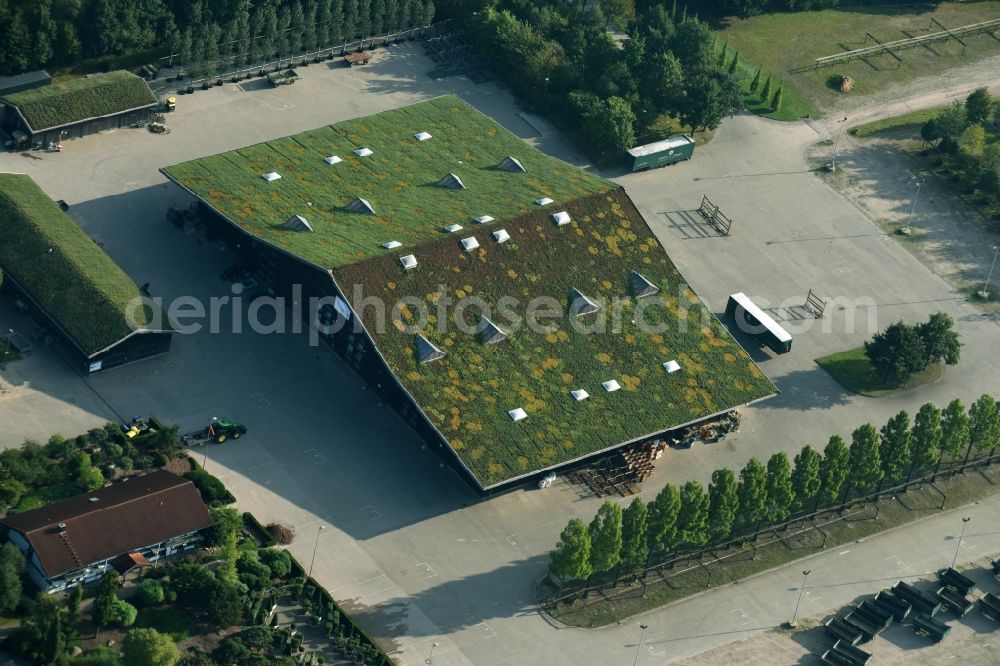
[
  {"x": 843, "y": 270},
  {"x": 371, "y": 511},
  {"x": 900, "y": 564},
  {"x": 812, "y": 596},
  {"x": 281, "y": 104},
  {"x": 427, "y": 569},
  {"x": 487, "y": 629},
  {"x": 259, "y": 397},
  {"x": 843, "y": 552},
  {"x": 317, "y": 456},
  {"x": 512, "y": 540},
  {"x": 743, "y": 616}
]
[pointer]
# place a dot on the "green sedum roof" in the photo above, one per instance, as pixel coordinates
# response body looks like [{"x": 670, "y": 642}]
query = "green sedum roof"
[
  {"x": 400, "y": 180},
  {"x": 76, "y": 283},
  {"x": 467, "y": 394},
  {"x": 78, "y": 99}
]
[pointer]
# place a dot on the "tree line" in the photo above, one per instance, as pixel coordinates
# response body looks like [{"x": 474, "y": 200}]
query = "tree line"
[
  {"x": 959, "y": 132},
  {"x": 37, "y": 34},
  {"x": 562, "y": 59},
  {"x": 691, "y": 517}
]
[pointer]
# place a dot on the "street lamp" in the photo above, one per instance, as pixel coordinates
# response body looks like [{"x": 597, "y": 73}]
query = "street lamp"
[
  {"x": 805, "y": 575},
  {"x": 430, "y": 657},
  {"x": 965, "y": 521},
  {"x": 906, "y": 227},
  {"x": 315, "y": 546},
  {"x": 545, "y": 92},
  {"x": 642, "y": 633},
  {"x": 985, "y": 293},
  {"x": 10, "y": 334},
  {"x": 836, "y": 144}
]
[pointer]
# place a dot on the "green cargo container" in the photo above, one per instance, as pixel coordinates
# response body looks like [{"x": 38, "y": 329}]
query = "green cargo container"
[{"x": 662, "y": 153}]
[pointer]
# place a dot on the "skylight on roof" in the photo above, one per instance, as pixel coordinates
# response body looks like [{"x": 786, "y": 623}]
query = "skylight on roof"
[
  {"x": 544, "y": 201},
  {"x": 408, "y": 262},
  {"x": 501, "y": 236},
  {"x": 452, "y": 228},
  {"x": 469, "y": 244},
  {"x": 271, "y": 176},
  {"x": 671, "y": 366},
  {"x": 483, "y": 219},
  {"x": 421, "y": 136},
  {"x": 579, "y": 394},
  {"x": 363, "y": 152},
  {"x": 517, "y": 414},
  {"x": 611, "y": 385},
  {"x": 332, "y": 159},
  {"x": 560, "y": 218},
  {"x": 391, "y": 245}
]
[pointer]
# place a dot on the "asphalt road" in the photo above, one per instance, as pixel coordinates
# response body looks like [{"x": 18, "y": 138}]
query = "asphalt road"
[{"x": 405, "y": 545}]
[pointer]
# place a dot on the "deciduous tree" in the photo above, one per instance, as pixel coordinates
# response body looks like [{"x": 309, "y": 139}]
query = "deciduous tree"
[
  {"x": 806, "y": 475},
  {"x": 723, "y": 503},
  {"x": 979, "y": 106},
  {"x": 984, "y": 424},
  {"x": 897, "y": 352},
  {"x": 865, "y": 465},
  {"x": 954, "y": 429},
  {"x": 11, "y": 568},
  {"x": 925, "y": 438},
  {"x": 663, "y": 534},
  {"x": 940, "y": 339},
  {"x": 148, "y": 647},
  {"x": 834, "y": 468},
  {"x": 780, "y": 493},
  {"x": 752, "y": 493},
  {"x": 894, "y": 446},
  {"x": 693, "y": 517},
  {"x": 571, "y": 558},
  {"x": 606, "y": 538},
  {"x": 634, "y": 528}
]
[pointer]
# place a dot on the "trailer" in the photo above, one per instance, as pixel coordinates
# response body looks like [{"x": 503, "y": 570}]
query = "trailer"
[
  {"x": 899, "y": 608},
  {"x": 753, "y": 321},
  {"x": 671, "y": 150},
  {"x": 362, "y": 58},
  {"x": 218, "y": 431}
]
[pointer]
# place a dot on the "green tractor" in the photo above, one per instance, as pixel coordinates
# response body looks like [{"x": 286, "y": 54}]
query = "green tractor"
[{"x": 218, "y": 431}]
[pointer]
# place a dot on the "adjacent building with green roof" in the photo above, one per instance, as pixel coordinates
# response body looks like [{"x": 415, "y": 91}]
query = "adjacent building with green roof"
[
  {"x": 56, "y": 273},
  {"x": 77, "y": 107},
  {"x": 516, "y": 311}
]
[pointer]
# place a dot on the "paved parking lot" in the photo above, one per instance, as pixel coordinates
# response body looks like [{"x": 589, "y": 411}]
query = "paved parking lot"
[{"x": 406, "y": 545}]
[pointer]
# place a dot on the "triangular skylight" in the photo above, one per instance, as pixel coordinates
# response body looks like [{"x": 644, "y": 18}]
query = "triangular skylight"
[
  {"x": 469, "y": 244},
  {"x": 427, "y": 351},
  {"x": 511, "y": 164},
  {"x": 671, "y": 366},
  {"x": 408, "y": 262},
  {"x": 363, "y": 152},
  {"x": 421, "y": 136},
  {"x": 452, "y": 228},
  {"x": 544, "y": 201},
  {"x": 452, "y": 181},
  {"x": 580, "y": 305},
  {"x": 297, "y": 223},
  {"x": 611, "y": 385},
  {"x": 501, "y": 236},
  {"x": 271, "y": 176},
  {"x": 579, "y": 394},
  {"x": 483, "y": 219},
  {"x": 360, "y": 205},
  {"x": 517, "y": 414},
  {"x": 560, "y": 218},
  {"x": 332, "y": 159},
  {"x": 489, "y": 333},
  {"x": 391, "y": 245},
  {"x": 641, "y": 287}
]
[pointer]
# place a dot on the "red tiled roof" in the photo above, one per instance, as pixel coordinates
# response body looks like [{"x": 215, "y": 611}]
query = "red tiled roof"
[{"x": 125, "y": 517}]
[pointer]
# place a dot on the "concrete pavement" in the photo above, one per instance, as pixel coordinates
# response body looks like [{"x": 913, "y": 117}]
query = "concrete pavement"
[{"x": 409, "y": 549}]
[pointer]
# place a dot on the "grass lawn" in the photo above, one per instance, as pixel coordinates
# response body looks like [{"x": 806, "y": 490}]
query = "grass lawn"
[
  {"x": 793, "y": 105},
  {"x": 625, "y": 601},
  {"x": 855, "y": 373},
  {"x": 914, "y": 119},
  {"x": 784, "y": 42},
  {"x": 666, "y": 126},
  {"x": 168, "y": 620},
  {"x": 47, "y": 495}
]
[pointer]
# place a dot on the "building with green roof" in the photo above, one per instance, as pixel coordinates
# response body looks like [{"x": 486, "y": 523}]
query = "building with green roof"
[
  {"x": 516, "y": 311},
  {"x": 77, "y": 107},
  {"x": 59, "y": 275}
]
